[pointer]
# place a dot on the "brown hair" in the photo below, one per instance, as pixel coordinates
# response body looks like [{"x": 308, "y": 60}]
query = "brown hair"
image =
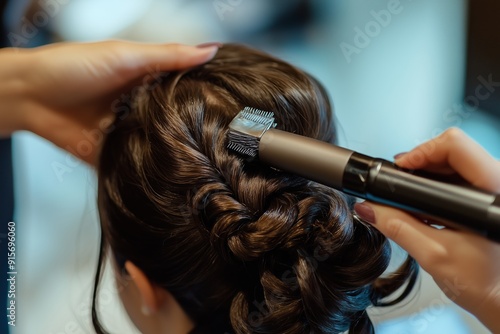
[{"x": 243, "y": 247}]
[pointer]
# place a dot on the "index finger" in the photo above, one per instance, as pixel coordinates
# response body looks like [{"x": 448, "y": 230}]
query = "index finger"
[{"x": 453, "y": 148}]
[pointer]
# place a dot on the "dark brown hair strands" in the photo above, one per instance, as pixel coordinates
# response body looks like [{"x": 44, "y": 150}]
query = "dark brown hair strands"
[{"x": 243, "y": 247}]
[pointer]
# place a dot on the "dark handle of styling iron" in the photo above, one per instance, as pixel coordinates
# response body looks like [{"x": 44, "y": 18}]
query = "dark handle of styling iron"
[{"x": 381, "y": 181}]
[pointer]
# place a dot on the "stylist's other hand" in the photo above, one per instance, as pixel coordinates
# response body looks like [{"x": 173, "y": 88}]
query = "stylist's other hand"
[
  {"x": 465, "y": 266},
  {"x": 66, "y": 92}
]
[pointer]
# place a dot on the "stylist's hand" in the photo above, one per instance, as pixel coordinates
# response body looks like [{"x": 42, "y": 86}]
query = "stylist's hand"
[
  {"x": 66, "y": 92},
  {"x": 465, "y": 266}
]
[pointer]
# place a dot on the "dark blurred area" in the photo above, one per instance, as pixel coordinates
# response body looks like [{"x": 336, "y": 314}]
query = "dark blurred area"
[{"x": 483, "y": 56}]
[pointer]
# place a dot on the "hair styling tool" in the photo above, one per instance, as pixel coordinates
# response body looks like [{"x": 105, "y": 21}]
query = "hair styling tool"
[{"x": 252, "y": 133}]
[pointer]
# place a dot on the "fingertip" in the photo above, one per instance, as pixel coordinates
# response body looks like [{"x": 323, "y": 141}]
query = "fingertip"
[
  {"x": 180, "y": 57},
  {"x": 365, "y": 212},
  {"x": 139, "y": 58},
  {"x": 399, "y": 155},
  {"x": 388, "y": 220},
  {"x": 208, "y": 52},
  {"x": 209, "y": 44},
  {"x": 414, "y": 159},
  {"x": 399, "y": 160},
  {"x": 181, "y": 54}
]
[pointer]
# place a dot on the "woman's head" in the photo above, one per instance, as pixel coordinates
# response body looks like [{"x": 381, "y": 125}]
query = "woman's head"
[{"x": 239, "y": 245}]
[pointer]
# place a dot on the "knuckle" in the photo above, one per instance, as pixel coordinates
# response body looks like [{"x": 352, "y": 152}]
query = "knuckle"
[
  {"x": 393, "y": 229},
  {"x": 453, "y": 134},
  {"x": 437, "y": 256}
]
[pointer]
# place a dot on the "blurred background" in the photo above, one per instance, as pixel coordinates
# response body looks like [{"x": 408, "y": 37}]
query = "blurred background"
[{"x": 398, "y": 72}]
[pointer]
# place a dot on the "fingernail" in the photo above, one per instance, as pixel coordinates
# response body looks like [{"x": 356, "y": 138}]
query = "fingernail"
[
  {"x": 399, "y": 155},
  {"x": 209, "y": 45},
  {"x": 365, "y": 212}
]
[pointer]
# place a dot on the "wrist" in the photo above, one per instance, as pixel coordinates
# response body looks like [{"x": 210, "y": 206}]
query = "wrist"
[{"x": 488, "y": 313}]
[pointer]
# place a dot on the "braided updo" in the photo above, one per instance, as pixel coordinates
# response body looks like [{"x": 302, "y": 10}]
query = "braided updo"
[{"x": 243, "y": 247}]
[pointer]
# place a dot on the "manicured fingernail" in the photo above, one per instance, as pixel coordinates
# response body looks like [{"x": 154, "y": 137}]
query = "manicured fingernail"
[
  {"x": 399, "y": 155},
  {"x": 209, "y": 45},
  {"x": 365, "y": 212}
]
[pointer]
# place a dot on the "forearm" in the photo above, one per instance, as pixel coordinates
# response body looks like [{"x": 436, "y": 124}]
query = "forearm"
[{"x": 14, "y": 99}]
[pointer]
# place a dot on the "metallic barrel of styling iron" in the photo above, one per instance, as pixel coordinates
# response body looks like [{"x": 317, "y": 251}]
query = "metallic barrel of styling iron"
[
  {"x": 304, "y": 156},
  {"x": 381, "y": 181},
  {"x": 453, "y": 205}
]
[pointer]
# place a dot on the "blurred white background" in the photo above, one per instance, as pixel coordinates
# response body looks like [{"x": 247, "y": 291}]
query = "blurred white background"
[{"x": 394, "y": 85}]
